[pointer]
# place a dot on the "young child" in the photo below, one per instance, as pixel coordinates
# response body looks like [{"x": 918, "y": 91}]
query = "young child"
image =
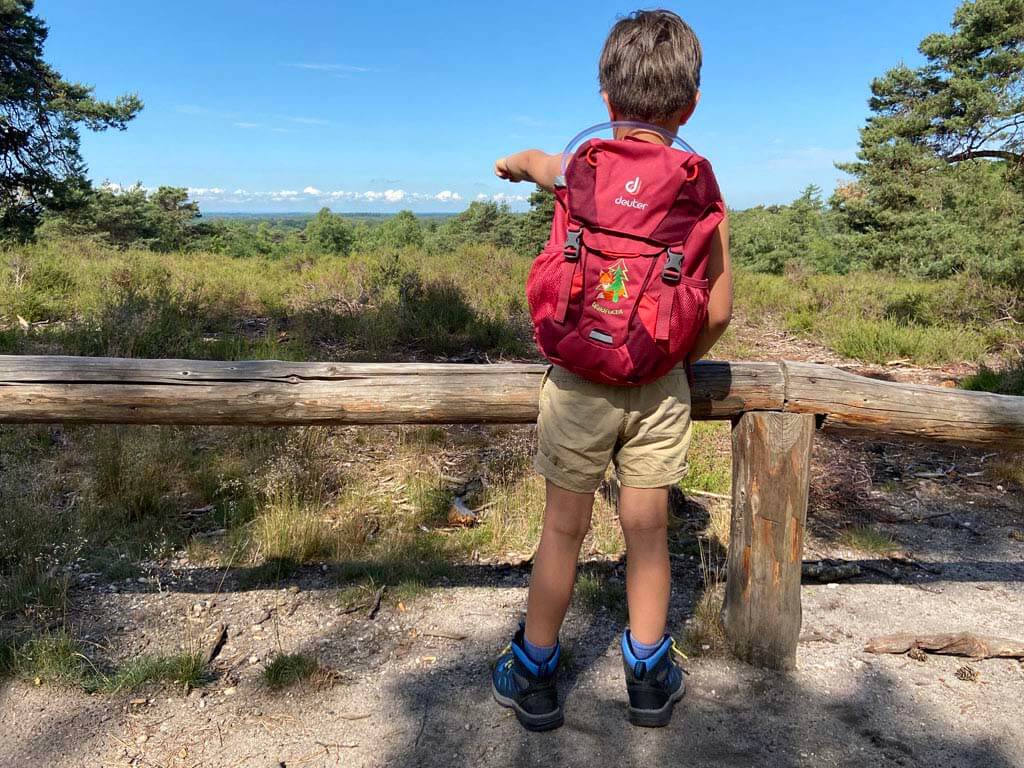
[{"x": 649, "y": 72}]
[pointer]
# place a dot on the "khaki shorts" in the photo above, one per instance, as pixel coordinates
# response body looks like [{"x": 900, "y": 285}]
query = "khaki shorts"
[{"x": 584, "y": 425}]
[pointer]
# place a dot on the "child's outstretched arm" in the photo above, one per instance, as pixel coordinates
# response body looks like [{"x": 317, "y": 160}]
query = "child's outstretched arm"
[
  {"x": 719, "y": 275},
  {"x": 531, "y": 165}
]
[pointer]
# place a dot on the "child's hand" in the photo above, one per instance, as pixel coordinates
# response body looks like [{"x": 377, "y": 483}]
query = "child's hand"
[
  {"x": 502, "y": 171},
  {"x": 531, "y": 165}
]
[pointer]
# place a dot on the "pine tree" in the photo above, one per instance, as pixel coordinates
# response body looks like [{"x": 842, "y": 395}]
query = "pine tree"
[{"x": 40, "y": 117}]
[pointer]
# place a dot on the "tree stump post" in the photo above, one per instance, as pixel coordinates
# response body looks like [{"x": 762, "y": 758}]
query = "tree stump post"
[{"x": 771, "y": 455}]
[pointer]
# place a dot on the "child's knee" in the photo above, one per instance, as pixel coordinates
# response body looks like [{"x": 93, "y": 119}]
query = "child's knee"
[
  {"x": 644, "y": 523},
  {"x": 643, "y": 519},
  {"x": 643, "y": 511},
  {"x": 572, "y": 525}
]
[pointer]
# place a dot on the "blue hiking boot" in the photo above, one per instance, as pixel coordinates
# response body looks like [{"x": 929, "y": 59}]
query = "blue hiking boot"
[
  {"x": 654, "y": 684},
  {"x": 529, "y": 689}
]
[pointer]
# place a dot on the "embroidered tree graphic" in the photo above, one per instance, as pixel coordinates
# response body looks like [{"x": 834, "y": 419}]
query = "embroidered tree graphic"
[{"x": 617, "y": 287}]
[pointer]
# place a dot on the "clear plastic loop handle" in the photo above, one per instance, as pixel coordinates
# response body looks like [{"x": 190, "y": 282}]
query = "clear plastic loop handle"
[{"x": 575, "y": 141}]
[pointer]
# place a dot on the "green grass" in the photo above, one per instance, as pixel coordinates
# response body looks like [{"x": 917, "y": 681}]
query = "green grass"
[
  {"x": 289, "y": 669},
  {"x": 288, "y": 530},
  {"x": 52, "y": 659},
  {"x": 59, "y": 660},
  {"x": 709, "y": 460},
  {"x": 1008, "y": 380},
  {"x": 357, "y": 595},
  {"x": 34, "y": 592},
  {"x": 184, "y": 670},
  {"x": 866, "y": 539},
  {"x": 877, "y": 318},
  {"x": 704, "y": 634},
  {"x": 879, "y": 340},
  {"x": 597, "y": 592}
]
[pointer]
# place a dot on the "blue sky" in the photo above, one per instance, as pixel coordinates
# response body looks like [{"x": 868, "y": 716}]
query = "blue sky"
[{"x": 378, "y": 106}]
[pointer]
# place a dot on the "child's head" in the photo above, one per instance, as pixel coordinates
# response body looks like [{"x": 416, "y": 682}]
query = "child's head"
[{"x": 650, "y": 69}]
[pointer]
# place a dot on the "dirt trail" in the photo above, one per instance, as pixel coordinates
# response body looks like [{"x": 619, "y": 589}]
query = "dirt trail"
[{"x": 410, "y": 687}]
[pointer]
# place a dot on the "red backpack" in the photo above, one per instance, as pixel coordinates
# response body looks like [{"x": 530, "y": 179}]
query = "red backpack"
[{"x": 618, "y": 295}]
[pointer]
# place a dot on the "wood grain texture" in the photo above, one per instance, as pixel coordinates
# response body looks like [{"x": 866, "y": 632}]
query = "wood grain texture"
[
  {"x": 129, "y": 391},
  {"x": 949, "y": 643},
  {"x": 771, "y": 459},
  {"x": 45, "y": 389},
  {"x": 858, "y": 404}
]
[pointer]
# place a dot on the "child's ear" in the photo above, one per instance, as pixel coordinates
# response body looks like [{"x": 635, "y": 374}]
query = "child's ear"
[
  {"x": 611, "y": 110},
  {"x": 687, "y": 113}
]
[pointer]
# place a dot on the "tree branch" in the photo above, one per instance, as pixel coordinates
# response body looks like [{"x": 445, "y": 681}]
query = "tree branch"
[{"x": 989, "y": 154}]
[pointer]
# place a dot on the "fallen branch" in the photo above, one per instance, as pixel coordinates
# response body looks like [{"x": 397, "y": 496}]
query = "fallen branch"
[
  {"x": 444, "y": 635},
  {"x": 220, "y": 634},
  {"x": 826, "y": 571},
  {"x": 375, "y": 605},
  {"x": 950, "y": 644}
]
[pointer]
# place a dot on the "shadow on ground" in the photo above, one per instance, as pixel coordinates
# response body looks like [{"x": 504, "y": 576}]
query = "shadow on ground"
[{"x": 753, "y": 718}]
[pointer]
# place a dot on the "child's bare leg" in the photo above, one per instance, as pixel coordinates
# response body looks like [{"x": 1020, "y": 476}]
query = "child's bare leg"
[
  {"x": 643, "y": 513},
  {"x": 566, "y": 521}
]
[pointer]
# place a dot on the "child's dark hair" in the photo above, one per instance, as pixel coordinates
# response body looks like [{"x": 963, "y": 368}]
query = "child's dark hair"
[{"x": 650, "y": 65}]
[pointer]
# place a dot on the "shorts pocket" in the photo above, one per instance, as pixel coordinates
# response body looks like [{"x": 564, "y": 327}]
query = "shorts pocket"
[
  {"x": 674, "y": 384},
  {"x": 542, "y": 393}
]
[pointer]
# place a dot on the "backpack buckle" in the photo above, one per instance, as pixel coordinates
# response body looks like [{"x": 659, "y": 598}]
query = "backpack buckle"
[
  {"x": 572, "y": 244},
  {"x": 673, "y": 269}
]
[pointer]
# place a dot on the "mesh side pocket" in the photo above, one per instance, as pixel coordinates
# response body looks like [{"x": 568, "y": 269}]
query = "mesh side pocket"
[
  {"x": 689, "y": 311},
  {"x": 544, "y": 283}
]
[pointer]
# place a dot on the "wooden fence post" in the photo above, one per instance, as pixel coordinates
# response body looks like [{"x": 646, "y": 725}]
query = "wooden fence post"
[{"x": 771, "y": 455}]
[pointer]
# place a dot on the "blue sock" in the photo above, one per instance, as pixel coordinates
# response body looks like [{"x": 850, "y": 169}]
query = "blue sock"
[
  {"x": 538, "y": 654},
  {"x": 643, "y": 650}
]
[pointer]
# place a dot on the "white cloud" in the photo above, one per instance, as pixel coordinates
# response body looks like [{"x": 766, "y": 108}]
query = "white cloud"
[
  {"x": 316, "y": 67},
  {"x": 117, "y": 189},
  {"x": 247, "y": 125},
  {"x": 502, "y": 197},
  {"x": 389, "y": 196},
  {"x": 302, "y": 120}
]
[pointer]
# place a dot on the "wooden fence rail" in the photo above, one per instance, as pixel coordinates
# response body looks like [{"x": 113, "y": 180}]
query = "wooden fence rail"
[
  {"x": 98, "y": 390},
  {"x": 774, "y": 407}
]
